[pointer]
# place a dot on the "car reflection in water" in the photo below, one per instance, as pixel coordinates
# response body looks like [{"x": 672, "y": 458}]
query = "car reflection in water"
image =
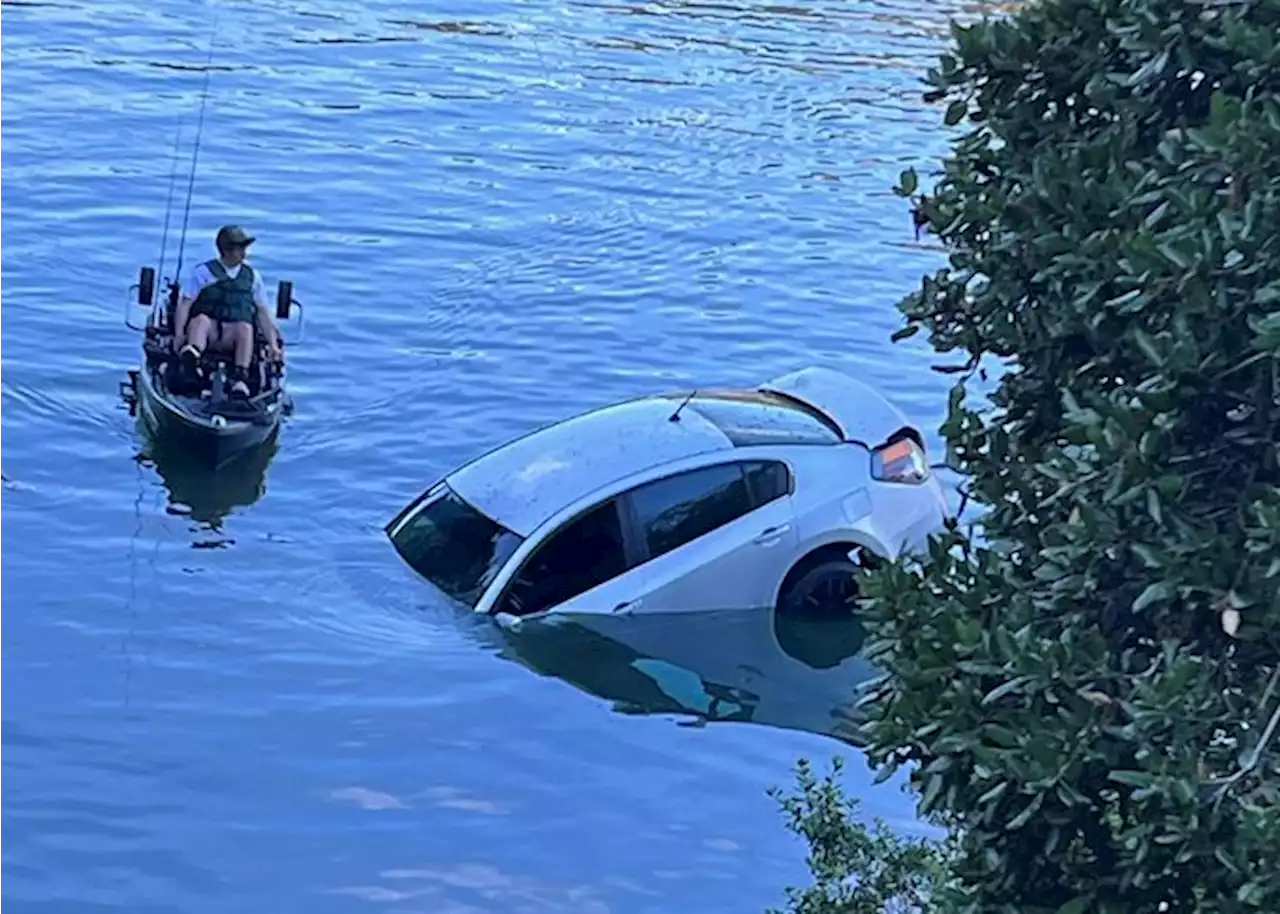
[
  {"x": 745, "y": 665},
  {"x": 204, "y": 495}
]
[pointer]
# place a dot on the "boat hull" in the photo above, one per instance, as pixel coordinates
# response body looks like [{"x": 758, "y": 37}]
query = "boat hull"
[{"x": 187, "y": 423}]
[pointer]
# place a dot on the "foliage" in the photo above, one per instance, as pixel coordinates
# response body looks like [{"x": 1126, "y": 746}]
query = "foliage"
[
  {"x": 856, "y": 869},
  {"x": 1092, "y": 699}
]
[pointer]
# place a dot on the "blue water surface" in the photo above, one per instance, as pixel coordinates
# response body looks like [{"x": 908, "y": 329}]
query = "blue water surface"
[{"x": 227, "y": 694}]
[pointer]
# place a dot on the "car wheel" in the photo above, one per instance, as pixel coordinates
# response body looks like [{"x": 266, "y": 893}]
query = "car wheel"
[{"x": 827, "y": 590}]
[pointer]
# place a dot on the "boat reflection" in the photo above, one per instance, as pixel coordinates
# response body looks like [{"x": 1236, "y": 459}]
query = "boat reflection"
[
  {"x": 205, "y": 495},
  {"x": 745, "y": 665}
]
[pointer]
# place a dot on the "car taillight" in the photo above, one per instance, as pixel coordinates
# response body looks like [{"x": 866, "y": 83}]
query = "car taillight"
[{"x": 900, "y": 461}]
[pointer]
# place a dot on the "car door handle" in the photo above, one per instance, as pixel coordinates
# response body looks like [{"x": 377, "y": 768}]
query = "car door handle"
[
  {"x": 626, "y": 605},
  {"x": 769, "y": 534}
]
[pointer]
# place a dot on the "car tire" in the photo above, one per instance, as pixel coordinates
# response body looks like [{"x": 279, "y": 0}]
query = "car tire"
[{"x": 828, "y": 590}]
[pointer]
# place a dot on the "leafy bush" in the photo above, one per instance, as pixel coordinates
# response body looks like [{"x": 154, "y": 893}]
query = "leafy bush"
[
  {"x": 857, "y": 869},
  {"x": 1092, "y": 698}
]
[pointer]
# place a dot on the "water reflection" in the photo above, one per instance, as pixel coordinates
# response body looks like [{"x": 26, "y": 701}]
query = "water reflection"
[
  {"x": 747, "y": 665},
  {"x": 205, "y": 495}
]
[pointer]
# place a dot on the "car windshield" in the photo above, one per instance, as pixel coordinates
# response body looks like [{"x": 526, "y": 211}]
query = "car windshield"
[{"x": 453, "y": 545}]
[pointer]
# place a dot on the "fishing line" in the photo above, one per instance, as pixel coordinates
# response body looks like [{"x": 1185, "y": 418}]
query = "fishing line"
[
  {"x": 1, "y": 211},
  {"x": 5, "y": 480},
  {"x": 195, "y": 155},
  {"x": 537, "y": 50}
]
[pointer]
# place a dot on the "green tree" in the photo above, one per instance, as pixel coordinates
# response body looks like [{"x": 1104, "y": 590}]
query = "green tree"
[
  {"x": 1090, "y": 697},
  {"x": 856, "y": 868}
]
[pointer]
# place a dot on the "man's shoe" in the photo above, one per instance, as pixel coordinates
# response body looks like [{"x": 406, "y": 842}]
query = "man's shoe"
[{"x": 189, "y": 362}]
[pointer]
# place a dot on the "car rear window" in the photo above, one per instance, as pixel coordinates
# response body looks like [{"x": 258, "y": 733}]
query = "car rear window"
[
  {"x": 453, "y": 545},
  {"x": 749, "y": 417}
]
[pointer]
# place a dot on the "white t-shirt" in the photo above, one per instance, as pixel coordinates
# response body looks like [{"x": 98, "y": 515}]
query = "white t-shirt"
[{"x": 201, "y": 276}]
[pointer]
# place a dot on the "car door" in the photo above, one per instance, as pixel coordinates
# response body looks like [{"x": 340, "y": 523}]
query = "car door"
[
  {"x": 718, "y": 537},
  {"x": 584, "y": 555}
]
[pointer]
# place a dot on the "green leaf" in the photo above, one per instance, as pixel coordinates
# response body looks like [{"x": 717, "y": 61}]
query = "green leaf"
[
  {"x": 1147, "y": 555},
  {"x": 1001, "y": 735},
  {"x": 1155, "y": 215},
  {"x": 1007, "y": 688},
  {"x": 931, "y": 790},
  {"x": 1153, "y": 507},
  {"x": 1133, "y": 778},
  {"x": 1174, "y": 255},
  {"x": 1148, "y": 71},
  {"x": 1024, "y": 817},
  {"x": 1220, "y": 108},
  {"x": 994, "y": 793},
  {"x": 1220, "y": 854},
  {"x": 1148, "y": 347},
  {"x": 1267, "y": 332},
  {"x": 1251, "y": 893},
  {"x": 1158, "y": 592},
  {"x": 955, "y": 113},
  {"x": 1077, "y": 905},
  {"x": 1121, "y": 300}
]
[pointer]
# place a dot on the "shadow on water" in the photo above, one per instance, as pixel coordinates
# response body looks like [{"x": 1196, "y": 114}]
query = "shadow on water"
[
  {"x": 747, "y": 665},
  {"x": 204, "y": 495}
]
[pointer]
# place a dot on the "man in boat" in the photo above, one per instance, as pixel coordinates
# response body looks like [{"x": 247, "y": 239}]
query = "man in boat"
[{"x": 218, "y": 305}]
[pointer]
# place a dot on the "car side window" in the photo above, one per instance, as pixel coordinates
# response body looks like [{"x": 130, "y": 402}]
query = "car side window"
[
  {"x": 584, "y": 553},
  {"x": 768, "y": 480},
  {"x": 673, "y": 511}
]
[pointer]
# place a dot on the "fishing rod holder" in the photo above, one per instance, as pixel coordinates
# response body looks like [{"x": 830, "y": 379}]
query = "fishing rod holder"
[
  {"x": 284, "y": 303},
  {"x": 145, "y": 291}
]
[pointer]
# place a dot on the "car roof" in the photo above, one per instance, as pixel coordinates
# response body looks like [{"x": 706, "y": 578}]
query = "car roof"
[{"x": 524, "y": 482}]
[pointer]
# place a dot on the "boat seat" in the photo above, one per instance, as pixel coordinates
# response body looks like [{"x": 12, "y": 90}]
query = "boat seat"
[
  {"x": 159, "y": 349},
  {"x": 261, "y": 375},
  {"x": 159, "y": 344}
]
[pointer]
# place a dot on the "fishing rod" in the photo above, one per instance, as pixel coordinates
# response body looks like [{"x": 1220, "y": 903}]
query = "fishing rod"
[
  {"x": 168, "y": 208},
  {"x": 3, "y": 478},
  {"x": 191, "y": 178},
  {"x": 168, "y": 205}
]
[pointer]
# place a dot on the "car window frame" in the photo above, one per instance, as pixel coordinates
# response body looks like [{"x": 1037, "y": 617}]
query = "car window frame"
[
  {"x": 637, "y": 535},
  {"x": 630, "y": 550},
  {"x": 788, "y": 491}
]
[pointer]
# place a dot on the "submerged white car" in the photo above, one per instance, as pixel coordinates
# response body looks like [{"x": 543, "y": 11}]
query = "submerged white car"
[{"x": 682, "y": 502}]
